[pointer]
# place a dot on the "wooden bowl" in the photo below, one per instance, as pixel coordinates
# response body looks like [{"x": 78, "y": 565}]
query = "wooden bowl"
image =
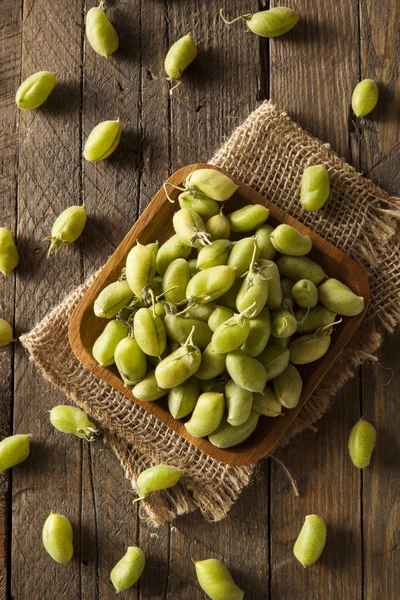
[{"x": 156, "y": 224}]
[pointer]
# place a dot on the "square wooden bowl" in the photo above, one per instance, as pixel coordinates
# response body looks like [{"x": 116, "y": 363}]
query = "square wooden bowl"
[{"x": 156, "y": 224}]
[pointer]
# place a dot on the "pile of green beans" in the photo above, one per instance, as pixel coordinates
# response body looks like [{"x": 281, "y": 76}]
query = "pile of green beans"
[{"x": 220, "y": 324}]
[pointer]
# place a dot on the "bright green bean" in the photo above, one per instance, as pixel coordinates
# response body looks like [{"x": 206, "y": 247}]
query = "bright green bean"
[
  {"x": 130, "y": 361},
  {"x": 339, "y": 298},
  {"x": 180, "y": 365},
  {"x": 212, "y": 363},
  {"x": 211, "y": 283},
  {"x": 140, "y": 268},
  {"x": 182, "y": 398},
  {"x": 218, "y": 227},
  {"x": 175, "y": 281},
  {"x": 227, "y": 435},
  {"x": 172, "y": 249},
  {"x": 311, "y": 541},
  {"x": 288, "y": 386},
  {"x": 287, "y": 240},
  {"x": 149, "y": 332},
  {"x": 105, "y": 345},
  {"x": 263, "y": 238},
  {"x": 248, "y": 218},
  {"x": 246, "y": 372},
  {"x": 178, "y": 329},
  {"x": 267, "y": 404},
  {"x": 275, "y": 359},
  {"x": 129, "y": 569},
  {"x": 207, "y": 414},
  {"x": 238, "y": 402},
  {"x": 300, "y": 267}
]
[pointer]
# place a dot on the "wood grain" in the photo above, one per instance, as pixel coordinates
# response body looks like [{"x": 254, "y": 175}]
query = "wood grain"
[
  {"x": 10, "y": 65},
  {"x": 379, "y": 155},
  {"x": 312, "y": 76},
  {"x": 48, "y": 182}
]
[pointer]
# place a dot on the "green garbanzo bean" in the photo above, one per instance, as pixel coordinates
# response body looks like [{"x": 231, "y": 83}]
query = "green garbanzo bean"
[
  {"x": 130, "y": 361},
  {"x": 102, "y": 141},
  {"x": 104, "y": 347},
  {"x": 182, "y": 398},
  {"x": 57, "y": 538},
  {"x": 6, "y": 333},
  {"x": 100, "y": 33},
  {"x": 227, "y": 435},
  {"x": 190, "y": 228},
  {"x": 305, "y": 293},
  {"x": 129, "y": 569},
  {"x": 159, "y": 477},
  {"x": 214, "y": 255},
  {"x": 264, "y": 244},
  {"x": 178, "y": 328},
  {"x": 248, "y": 218},
  {"x": 14, "y": 450},
  {"x": 35, "y": 90},
  {"x": 288, "y": 386},
  {"x": 260, "y": 331},
  {"x": 212, "y": 363},
  {"x": 211, "y": 283},
  {"x": 172, "y": 249},
  {"x": 205, "y": 207},
  {"x": 112, "y": 299},
  {"x": 287, "y": 240},
  {"x": 216, "y": 581},
  {"x": 268, "y": 23},
  {"x": 300, "y": 267},
  {"x": 207, "y": 414},
  {"x": 267, "y": 404},
  {"x": 315, "y": 188},
  {"x": 238, "y": 402},
  {"x": 339, "y": 298},
  {"x": 179, "y": 56},
  {"x": 179, "y": 366},
  {"x": 67, "y": 228},
  {"x": 8, "y": 252},
  {"x": 211, "y": 183},
  {"x": 365, "y": 97},
  {"x": 140, "y": 268},
  {"x": 218, "y": 227},
  {"x": 361, "y": 443},
  {"x": 148, "y": 389},
  {"x": 246, "y": 372},
  {"x": 275, "y": 360},
  {"x": 311, "y": 541},
  {"x": 70, "y": 419}
]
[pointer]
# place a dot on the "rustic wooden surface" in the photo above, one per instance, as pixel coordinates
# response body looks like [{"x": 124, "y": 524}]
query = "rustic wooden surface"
[{"x": 310, "y": 72}]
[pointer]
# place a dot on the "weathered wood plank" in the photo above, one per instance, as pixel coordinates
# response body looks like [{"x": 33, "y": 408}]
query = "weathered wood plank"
[
  {"x": 381, "y": 509},
  {"x": 221, "y": 88},
  {"x": 380, "y": 158},
  {"x": 10, "y": 65},
  {"x": 130, "y": 86},
  {"x": 49, "y": 181},
  {"x": 312, "y": 76},
  {"x": 314, "y": 68}
]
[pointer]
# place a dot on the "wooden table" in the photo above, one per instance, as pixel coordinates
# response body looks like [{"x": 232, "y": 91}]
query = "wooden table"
[{"x": 310, "y": 73}]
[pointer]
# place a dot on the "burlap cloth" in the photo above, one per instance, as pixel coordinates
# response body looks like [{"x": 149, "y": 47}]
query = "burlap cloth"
[{"x": 268, "y": 152}]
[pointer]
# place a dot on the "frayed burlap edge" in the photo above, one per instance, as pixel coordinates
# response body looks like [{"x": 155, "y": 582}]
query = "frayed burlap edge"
[{"x": 269, "y": 152}]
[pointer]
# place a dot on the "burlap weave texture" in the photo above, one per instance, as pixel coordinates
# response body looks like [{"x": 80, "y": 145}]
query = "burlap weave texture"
[{"x": 268, "y": 152}]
